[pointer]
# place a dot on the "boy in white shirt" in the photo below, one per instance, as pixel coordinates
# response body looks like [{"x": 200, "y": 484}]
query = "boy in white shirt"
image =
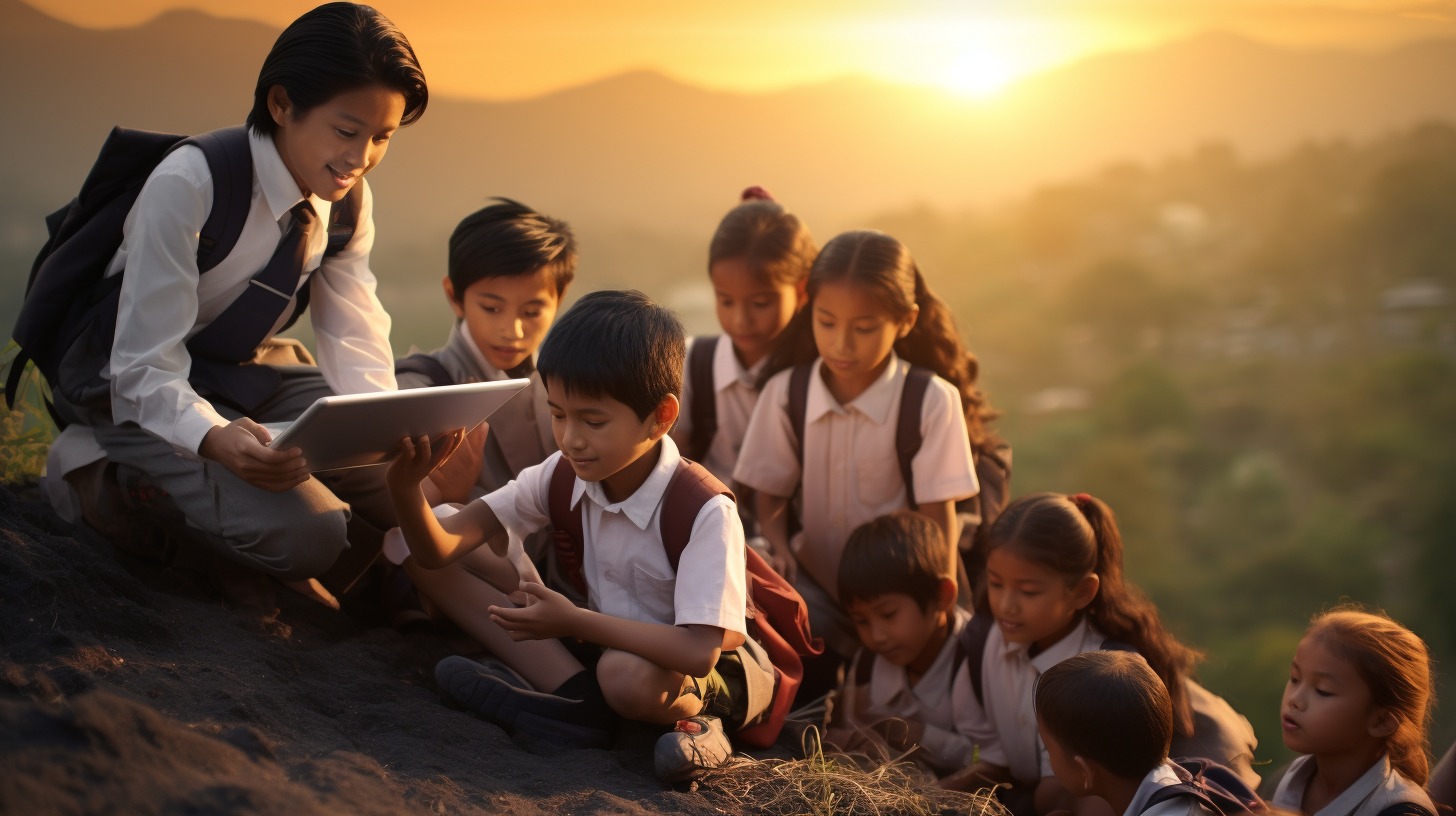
[{"x": 673, "y": 641}]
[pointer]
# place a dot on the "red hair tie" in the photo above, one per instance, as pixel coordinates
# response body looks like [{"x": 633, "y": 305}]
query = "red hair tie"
[
  {"x": 1080, "y": 499},
  {"x": 756, "y": 193}
]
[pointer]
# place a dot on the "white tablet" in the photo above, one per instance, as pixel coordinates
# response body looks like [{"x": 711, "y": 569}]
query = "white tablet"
[{"x": 356, "y": 430}]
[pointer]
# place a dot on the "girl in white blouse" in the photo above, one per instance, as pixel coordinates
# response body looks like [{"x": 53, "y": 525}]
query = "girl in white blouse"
[
  {"x": 1357, "y": 705},
  {"x": 869, "y": 319}
]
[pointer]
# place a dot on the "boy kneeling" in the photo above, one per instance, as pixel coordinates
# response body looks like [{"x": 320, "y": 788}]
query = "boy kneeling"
[{"x": 671, "y": 636}]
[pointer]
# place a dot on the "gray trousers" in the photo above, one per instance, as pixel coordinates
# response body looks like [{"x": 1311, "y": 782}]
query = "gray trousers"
[{"x": 292, "y": 535}]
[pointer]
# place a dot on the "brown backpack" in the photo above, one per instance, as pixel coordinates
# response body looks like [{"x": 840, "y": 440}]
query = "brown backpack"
[{"x": 778, "y": 618}]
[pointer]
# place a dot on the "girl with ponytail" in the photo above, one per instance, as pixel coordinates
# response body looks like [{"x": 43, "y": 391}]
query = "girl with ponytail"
[
  {"x": 1054, "y": 589},
  {"x": 1357, "y": 705},
  {"x": 843, "y": 366}
]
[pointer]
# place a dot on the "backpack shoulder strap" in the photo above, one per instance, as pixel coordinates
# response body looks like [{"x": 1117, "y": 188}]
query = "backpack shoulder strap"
[
  {"x": 1405, "y": 809},
  {"x": 230, "y": 161},
  {"x": 908, "y": 435},
  {"x": 567, "y": 534},
  {"x": 799, "y": 405},
  {"x": 690, "y": 487},
  {"x": 864, "y": 667},
  {"x": 971, "y": 647},
  {"x": 428, "y": 366},
  {"x": 1168, "y": 792},
  {"x": 704, "y": 407}
]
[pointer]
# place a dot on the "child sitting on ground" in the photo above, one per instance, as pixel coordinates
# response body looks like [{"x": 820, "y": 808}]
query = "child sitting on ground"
[
  {"x": 1107, "y": 721},
  {"x": 1357, "y": 705},
  {"x": 897, "y": 583},
  {"x": 671, "y": 637}
]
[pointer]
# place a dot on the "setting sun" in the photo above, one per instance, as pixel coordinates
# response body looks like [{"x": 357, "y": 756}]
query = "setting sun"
[{"x": 978, "y": 73}]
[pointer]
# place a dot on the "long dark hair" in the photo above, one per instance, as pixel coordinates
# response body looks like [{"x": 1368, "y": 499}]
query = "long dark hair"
[
  {"x": 1076, "y": 536},
  {"x": 874, "y": 259},
  {"x": 332, "y": 49},
  {"x": 774, "y": 242}
]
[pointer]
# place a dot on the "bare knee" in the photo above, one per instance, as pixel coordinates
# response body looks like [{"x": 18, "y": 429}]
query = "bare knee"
[{"x": 637, "y": 688}]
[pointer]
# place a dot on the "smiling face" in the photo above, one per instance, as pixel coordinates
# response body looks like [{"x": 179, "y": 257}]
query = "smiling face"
[
  {"x": 1032, "y": 603},
  {"x": 897, "y": 629},
  {"x": 329, "y": 148},
  {"x": 507, "y": 316},
  {"x": 855, "y": 333},
  {"x": 752, "y": 309},
  {"x": 1327, "y": 707}
]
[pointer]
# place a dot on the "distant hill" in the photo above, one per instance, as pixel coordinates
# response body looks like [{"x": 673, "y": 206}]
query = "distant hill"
[{"x": 646, "y": 152}]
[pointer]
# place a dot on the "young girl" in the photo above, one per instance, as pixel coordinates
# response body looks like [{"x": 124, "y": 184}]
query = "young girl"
[
  {"x": 759, "y": 263},
  {"x": 1054, "y": 590},
  {"x": 1357, "y": 705},
  {"x": 869, "y": 318}
]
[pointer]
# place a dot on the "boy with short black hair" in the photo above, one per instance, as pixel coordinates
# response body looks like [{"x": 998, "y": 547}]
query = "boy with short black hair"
[
  {"x": 672, "y": 635},
  {"x": 1107, "y": 722},
  {"x": 898, "y": 586}
]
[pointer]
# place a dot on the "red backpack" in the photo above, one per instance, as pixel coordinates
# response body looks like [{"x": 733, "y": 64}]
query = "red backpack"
[{"x": 778, "y": 619}]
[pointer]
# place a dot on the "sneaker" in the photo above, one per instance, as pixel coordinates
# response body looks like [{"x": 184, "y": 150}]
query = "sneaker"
[
  {"x": 545, "y": 721},
  {"x": 697, "y": 745}
]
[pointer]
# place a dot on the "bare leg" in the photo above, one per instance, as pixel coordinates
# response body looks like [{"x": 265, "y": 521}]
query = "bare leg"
[
  {"x": 466, "y": 599},
  {"x": 641, "y": 690}
]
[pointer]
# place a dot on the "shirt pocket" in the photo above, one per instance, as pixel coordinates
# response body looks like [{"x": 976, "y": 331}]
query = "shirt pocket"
[
  {"x": 878, "y": 481},
  {"x": 654, "y": 595}
]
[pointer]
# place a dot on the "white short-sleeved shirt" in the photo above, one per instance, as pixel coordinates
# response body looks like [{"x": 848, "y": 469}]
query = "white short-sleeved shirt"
[
  {"x": 1004, "y": 729},
  {"x": 626, "y": 568},
  {"x": 851, "y": 474},
  {"x": 736, "y": 393},
  {"x": 1156, "y": 779},
  {"x": 1379, "y": 788}
]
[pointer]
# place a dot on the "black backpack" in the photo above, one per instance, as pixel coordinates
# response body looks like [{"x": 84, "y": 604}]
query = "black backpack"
[
  {"x": 68, "y": 319},
  {"x": 425, "y": 365},
  {"x": 1218, "y": 788}
]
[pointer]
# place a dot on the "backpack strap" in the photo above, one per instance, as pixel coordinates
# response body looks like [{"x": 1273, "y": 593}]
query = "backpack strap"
[
  {"x": 908, "y": 435},
  {"x": 704, "y": 408},
  {"x": 864, "y": 667},
  {"x": 428, "y": 366},
  {"x": 1405, "y": 809},
  {"x": 1168, "y": 792},
  {"x": 971, "y": 647},
  {"x": 799, "y": 406},
  {"x": 230, "y": 161},
  {"x": 566, "y": 534},
  {"x": 690, "y": 488}
]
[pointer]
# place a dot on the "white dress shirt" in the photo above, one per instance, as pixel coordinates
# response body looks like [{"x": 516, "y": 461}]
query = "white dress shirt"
[
  {"x": 736, "y": 392},
  {"x": 1004, "y": 729},
  {"x": 1379, "y": 788},
  {"x": 851, "y": 473},
  {"x": 1156, "y": 779},
  {"x": 164, "y": 300},
  {"x": 626, "y": 568}
]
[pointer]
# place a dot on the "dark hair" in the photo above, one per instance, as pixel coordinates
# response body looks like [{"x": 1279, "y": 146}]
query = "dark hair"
[
  {"x": 1110, "y": 708},
  {"x": 875, "y": 259},
  {"x": 771, "y": 240},
  {"x": 616, "y": 344},
  {"x": 333, "y": 49},
  {"x": 1077, "y": 536},
  {"x": 901, "y": 552},
  {"x": 508, "y": 239},
  {"x": 1396, "y": 665}
]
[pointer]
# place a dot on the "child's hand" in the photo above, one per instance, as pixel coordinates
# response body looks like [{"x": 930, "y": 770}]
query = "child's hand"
[
  {"x": 458, "y": 473},
  {"x": 417, "y": 457},
  {"x": 549, "y": 614}
]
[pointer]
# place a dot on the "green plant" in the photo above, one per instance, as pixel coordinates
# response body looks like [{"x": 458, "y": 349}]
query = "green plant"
[{"x": 27, "y": 430}]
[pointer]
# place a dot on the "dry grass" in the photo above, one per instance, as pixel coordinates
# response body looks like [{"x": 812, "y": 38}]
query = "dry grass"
[{"x": 837, "y": 784}]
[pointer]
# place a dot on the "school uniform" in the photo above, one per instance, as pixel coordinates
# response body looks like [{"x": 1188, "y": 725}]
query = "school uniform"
[
  {"x": 924, "y": 708},
  {"x": 735, "y": 395},
  {"x": 1004, "y": 729},
  {"x": 850, "y": 474},
  {"x": 159, "y": 417},
  {"x": 625, "y": 564},
  {"x": 1158, "y": 778},
  {"x": 1379, "y": 788}
]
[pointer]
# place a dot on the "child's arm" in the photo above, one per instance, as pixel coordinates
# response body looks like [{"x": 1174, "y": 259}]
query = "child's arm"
[
  {"x": 943, "y": 513},
  {"x": 434, "y": 544},
  {"x": 773, "y": 525},
  {"x": 692, "y": 649}
]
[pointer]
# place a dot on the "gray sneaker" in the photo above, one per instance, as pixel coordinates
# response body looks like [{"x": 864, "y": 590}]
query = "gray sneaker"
[{"x": 697, "y": 745}]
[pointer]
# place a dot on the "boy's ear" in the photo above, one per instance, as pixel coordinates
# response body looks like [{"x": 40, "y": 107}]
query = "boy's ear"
[
  {"x": 455, "y": 303},
  {"x": 664, "y": 416},
  {"x": 280, "y": 107},
  {"x": 1086, "y": 590},
  {"x": 908, "y": 322},
  {"x": 1089, "y": 775},
  {"x": 801, "y": 293},
  {"x": 946, "y": 597}
]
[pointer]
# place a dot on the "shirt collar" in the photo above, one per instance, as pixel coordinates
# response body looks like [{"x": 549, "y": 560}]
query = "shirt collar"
[
  {"x": 461, "y": 340},
  {"x": 873, "y": 403},
  {"x": 1070, "y": 646},
  {"x": 727, "y": 371},
  {"x": 639, "y": 506},
  {"x": 1352, "y": 797},
  {"x": 278, "y": 185},
  {"x": 1159, "y": 777}
]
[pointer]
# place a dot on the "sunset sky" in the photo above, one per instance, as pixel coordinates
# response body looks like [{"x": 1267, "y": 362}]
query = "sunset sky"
[{"x": 500, "y": 50}]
